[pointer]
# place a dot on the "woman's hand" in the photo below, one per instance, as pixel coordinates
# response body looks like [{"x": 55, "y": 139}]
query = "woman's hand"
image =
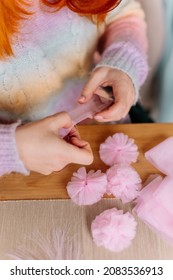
[
  {"x": 123, "y": 91},
  {"x": 42, "y": 150}
]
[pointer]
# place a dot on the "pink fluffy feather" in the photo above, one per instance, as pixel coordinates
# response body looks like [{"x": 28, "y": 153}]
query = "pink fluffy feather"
[
  {"x": 113, "y": 229},
  {"x": 58, "y": 246},
  {"x": 87, "y": 188},
  {"x": 123, "y": 182},
  {"x": 118, "y": 148}
]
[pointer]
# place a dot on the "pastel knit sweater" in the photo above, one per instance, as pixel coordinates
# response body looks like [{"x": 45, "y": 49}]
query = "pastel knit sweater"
[{"x": 53, "y": 54}]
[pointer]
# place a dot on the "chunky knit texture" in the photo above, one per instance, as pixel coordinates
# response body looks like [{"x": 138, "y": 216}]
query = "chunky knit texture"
[
  {"x": 8, "y": 151},
  {"x": 53, "y": 56},
  {"x": 126, "y": 57}
]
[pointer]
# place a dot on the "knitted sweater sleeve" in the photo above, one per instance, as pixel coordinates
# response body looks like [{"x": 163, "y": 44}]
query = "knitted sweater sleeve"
[
  {"x": 124, "y": 43},
  {"x": 9, "y": 157}
]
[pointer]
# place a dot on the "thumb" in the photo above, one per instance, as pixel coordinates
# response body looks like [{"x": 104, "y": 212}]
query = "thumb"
[
  {"x": 90, "y": 87},
  {"x": 60, "y": 120}
]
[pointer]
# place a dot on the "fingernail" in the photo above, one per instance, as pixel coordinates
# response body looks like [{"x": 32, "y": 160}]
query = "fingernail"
[
  {"x": 98, "y": 117},
  {"x": 82, "y": 99}
]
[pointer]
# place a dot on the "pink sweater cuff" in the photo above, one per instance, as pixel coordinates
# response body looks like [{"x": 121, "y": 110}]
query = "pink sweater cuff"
[
  {"x": 126, "y": 57},
  {"x": 124, "y": 47},
  {"x": 9, "y": 157}
]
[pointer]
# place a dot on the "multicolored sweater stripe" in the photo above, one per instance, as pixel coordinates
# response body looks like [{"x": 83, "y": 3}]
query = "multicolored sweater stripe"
[{"x": 54, "y": 53}]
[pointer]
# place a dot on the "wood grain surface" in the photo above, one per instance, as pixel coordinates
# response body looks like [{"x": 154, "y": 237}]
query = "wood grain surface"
[{"x": 36, "y": 186}]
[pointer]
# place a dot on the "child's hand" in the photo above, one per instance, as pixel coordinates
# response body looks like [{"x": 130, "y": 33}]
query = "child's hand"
[
  {"x": 123, "y": 91},
  {"x": 42, "y": 150}
]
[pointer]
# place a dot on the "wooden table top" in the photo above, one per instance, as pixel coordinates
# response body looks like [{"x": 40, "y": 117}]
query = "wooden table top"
[{"x": 37, "y": 186}]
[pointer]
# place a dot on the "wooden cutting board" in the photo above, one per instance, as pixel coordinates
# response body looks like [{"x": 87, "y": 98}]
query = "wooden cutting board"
[{"x": 36, "y": 186}]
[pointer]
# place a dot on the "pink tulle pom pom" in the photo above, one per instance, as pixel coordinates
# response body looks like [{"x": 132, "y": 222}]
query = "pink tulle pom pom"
[
  {"x": 118, "y": 148},
  {"x": 113, "y": 229},
  {"x": 87, "y": 189},
  {"x": 123, "y": 182}
]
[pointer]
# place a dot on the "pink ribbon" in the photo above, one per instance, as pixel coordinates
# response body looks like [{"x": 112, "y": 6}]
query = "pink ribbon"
[{"x": 154, "y": 204}]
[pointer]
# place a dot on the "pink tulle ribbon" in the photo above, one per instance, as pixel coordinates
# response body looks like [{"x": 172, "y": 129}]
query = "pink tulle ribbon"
[
  {"x": 113, "y": 230},
  {"x": 154, "y": 204},
  {"x": 87, "y": 188},
  {"x": 118, "y": 148},
  {"x": 81, "y": 112},
  {"x": 161, "y": 156}
]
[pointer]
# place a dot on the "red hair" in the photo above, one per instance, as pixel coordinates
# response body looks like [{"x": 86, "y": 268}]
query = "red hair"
[{"x": 13, "y": 11}]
